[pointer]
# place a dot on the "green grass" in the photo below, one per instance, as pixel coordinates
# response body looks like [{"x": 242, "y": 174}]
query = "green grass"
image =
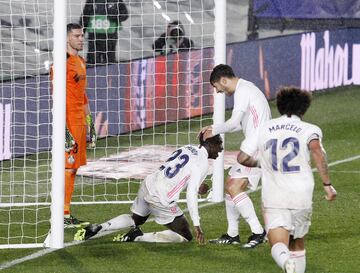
[{"x": 333, "y": 244}]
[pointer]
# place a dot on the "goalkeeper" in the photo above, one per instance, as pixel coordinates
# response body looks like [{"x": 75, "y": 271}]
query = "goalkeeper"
[{"x": 78, "y": 117}]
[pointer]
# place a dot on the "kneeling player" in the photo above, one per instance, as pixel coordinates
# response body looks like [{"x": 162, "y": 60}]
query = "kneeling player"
[{"x": 187, "y": 168}]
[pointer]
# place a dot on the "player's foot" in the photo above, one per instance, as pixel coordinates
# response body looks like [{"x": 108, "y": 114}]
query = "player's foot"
[
  {"x": 290, "y": 266},
  {"x": 255, "y": 240},
  {"x": 87, "y": 232},
  {"x": 73, "y": 222},
  {"x": 226, "y": 239},
  {"x": 129, "y": 236}
]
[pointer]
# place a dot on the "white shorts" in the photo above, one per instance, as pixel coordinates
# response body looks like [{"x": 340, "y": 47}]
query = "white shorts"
[
  {"x": 252, "y": 174},
  {"x": 145, "y": 204},
  {"x": 296, "y": 221}
]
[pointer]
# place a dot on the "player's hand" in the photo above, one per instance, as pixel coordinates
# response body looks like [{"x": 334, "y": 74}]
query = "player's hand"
[
  {"x": 207, "y": 132},
  {"x": 199, "y": 235},
  {"x": 69, "y": 141},
  {"x": 93, "y": 136},
  {"x": 330, "y": 193}
]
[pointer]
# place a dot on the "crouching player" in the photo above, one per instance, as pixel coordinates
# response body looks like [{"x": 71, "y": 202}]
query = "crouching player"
[
  {"x": 186, "y": 168},
  {"x": 285, "y": 145}
]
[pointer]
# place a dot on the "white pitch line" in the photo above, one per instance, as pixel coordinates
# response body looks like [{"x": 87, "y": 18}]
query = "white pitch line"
[{"x": 44, "y": 252}]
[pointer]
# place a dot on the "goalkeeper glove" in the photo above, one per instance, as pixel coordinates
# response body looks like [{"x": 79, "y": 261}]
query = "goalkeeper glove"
[
  {"x": 69, "y": 140},
  {"x": 90, "y": 123}
]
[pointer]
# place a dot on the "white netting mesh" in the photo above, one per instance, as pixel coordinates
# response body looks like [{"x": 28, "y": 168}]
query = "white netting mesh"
[{"x": 144, "y": 102}]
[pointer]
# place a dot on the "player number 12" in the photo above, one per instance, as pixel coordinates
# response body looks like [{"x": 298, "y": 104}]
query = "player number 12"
[{"x": 272, "y": 144}]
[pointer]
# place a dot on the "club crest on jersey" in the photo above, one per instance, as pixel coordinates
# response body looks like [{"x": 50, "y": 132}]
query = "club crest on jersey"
[{"x": 71, "y": 159}]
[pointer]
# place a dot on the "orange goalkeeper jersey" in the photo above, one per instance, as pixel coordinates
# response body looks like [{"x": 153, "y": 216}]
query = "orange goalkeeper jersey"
[{"x": 76, "y": 96}]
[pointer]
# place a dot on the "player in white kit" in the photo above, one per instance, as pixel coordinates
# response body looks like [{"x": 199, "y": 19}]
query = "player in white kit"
[
  {"x": 251, "y": 109},
  {"x": 158, "y": 194},
  {"x": 285, "y": 145}
]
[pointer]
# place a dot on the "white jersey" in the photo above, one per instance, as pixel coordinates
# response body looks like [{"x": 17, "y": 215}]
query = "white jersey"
[
  {"x": 251, "y": 109},
  {"x": 287, "y": 179},
  {"x": 187, "y": 168}
]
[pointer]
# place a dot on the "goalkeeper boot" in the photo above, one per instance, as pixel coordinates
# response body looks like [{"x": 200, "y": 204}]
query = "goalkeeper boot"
[
  {"x": 73, "y": 222},
  {"x": 87, "y": 232},
  {"x": 130, "y": 236},
  {"x": 255, "y": 240},
  {"x": 226, "y": 239}
]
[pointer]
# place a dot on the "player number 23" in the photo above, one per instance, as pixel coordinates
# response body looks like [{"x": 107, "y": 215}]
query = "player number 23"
[
  {"x": 183, "y": 159},
  {"x": 273, "y": 145}
]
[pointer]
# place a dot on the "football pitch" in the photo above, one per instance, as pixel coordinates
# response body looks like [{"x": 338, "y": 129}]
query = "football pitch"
[{"x": 332, "y": 245}]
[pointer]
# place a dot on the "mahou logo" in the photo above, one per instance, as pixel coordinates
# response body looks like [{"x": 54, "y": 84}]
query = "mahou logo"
[
  {"x": 327, "y": 67},
  {"x": 5, "y": 114}
]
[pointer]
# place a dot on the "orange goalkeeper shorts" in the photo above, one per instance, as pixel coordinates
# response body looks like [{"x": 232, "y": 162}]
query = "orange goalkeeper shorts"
[{"x": 77, "y": 156}]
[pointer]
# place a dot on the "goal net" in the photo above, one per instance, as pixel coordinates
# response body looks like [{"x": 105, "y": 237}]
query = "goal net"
[{"x": 148, "y": 65}]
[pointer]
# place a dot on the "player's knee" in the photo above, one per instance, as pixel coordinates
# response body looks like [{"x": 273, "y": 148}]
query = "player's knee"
[
  {"x": 236, "y": 186},
  {"x": 139, "y": 220}
]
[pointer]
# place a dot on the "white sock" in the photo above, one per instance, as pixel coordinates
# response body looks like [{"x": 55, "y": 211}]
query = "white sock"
[
  {"x": 232, "y": 216},
  {"x": 119, "y": 222},
  {"x": 300, "y": 260},
  {"x": 246, "y": 208},
  {"x": 280, "y": 253},
  {"x": 166, "y": 236}
]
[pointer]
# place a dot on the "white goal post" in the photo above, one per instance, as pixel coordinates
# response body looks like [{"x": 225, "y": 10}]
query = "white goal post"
[{"x": 145, "y": 103}]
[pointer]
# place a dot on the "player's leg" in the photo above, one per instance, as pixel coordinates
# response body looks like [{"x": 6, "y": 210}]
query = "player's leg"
[
  {"x": 141, "y": 212},
  {"x": 69, "y": 189},
  {"x": 298, "y": 253},
  {"x": 279, "y": 241},
  {"x": 179, "y": 232},
  {"x": 278, "y": 224},
  {"x": 243, "y": 178},
  {"x": 232, "y": 216},
  {"x": 172, "y": 217},
  {"x": 301, "y": 223},
  {"x": 73, "y": 160}
]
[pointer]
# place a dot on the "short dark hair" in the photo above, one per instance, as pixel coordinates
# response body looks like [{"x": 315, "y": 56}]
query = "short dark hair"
[
  {"x": 221, "y": 70},
  {"x": 292, "y": 101},
  {"x": 72, "y": 26},
  {"x": 214, "y": 140}
]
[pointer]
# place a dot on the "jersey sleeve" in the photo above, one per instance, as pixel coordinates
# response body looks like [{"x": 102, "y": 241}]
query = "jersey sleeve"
[
  {"x": 241, "y": 102},
  {"x": 233, "y": 124},
  {"x": 192, "y": 193},
  {"x": 314, "y": 133}
]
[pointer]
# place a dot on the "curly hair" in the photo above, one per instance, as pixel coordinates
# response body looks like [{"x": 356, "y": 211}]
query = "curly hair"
[
  {"x": 292, "y": 101},
  {"x": 221, "y": 70},
  {"x": 215, "y": 140}
]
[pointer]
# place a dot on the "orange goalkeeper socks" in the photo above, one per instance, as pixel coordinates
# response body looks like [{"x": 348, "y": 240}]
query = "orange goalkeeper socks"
[{"x": 69, "y": 188}]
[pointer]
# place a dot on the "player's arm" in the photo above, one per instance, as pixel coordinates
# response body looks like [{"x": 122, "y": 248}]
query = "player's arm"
[
  {"x": 246, "y": 160},
  {"x": 319, "y": 157},
  {"x": 231, "y": 125},
  {"x": 192, "y": 204}
]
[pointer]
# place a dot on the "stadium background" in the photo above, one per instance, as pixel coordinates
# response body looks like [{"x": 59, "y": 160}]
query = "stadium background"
[{"x": 280, "y": 58}]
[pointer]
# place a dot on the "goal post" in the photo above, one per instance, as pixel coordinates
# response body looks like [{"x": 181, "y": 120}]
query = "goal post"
[
  {"x": 219, "y": 100},
  {"x": 145, "y": 103},
  {"x": 58, "y": 137}
]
